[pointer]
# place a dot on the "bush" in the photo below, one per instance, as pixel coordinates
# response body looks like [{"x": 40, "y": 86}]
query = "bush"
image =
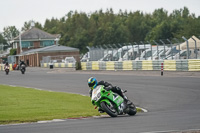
[{"x": 13, "y": 51}]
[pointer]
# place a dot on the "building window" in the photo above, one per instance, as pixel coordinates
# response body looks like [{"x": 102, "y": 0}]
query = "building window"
[
  {"x": 26, "y": 44},
  {"x": 46, "y": 43}
]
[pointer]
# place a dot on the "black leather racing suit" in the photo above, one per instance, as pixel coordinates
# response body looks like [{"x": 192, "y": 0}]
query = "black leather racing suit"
[
  {"x": 22, "y": 63},
  {"x": 108, "y": 86}
]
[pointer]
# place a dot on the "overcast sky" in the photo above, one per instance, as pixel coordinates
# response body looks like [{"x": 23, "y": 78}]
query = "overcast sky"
[{"x": 16, "y": 12}]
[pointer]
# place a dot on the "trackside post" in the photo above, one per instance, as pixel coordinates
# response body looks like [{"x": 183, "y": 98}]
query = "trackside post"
[{"x": 162, "y": 69}]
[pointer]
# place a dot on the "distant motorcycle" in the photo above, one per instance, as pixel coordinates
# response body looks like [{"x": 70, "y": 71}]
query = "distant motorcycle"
[
  {"x": 7, "y": 68},
  {"x": 112, "y": 103},
  {"x": 23, "y": 69}
]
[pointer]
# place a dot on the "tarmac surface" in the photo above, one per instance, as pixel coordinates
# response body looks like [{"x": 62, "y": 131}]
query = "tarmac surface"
[
  {"x": 121, "y": 72},
  {"x": 172, "y": 100}
]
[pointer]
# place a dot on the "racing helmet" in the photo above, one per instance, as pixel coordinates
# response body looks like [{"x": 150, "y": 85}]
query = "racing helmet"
[{"x": 92, "y": 82}]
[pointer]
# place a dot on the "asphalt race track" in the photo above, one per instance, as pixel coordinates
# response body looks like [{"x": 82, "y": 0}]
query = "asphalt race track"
[{"x": 172, "y": 101}]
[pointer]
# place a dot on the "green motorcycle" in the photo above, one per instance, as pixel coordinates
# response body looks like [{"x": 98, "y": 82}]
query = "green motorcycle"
[{"x": 111, "y": 103}]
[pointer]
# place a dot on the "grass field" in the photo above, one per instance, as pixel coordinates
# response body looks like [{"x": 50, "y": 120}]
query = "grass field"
[{"x": 18, "y": 105}]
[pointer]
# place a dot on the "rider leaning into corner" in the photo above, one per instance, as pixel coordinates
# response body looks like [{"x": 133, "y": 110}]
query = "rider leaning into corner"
[{"x": 92, "y": 83}]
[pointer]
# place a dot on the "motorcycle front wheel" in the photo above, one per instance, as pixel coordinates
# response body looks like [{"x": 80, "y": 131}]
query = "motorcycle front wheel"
[{"x": 109, "y": 109}]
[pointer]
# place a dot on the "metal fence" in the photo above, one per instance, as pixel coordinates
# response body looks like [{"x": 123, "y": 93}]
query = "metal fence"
[{"x": 163, "y": 49}]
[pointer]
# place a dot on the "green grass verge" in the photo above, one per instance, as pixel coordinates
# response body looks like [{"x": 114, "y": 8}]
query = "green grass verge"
[{"x": 19, "y": 105}]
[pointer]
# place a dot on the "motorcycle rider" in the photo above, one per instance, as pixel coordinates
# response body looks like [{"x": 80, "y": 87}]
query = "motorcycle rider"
[
  {"x": 6, "y": 64},
  {"x": 92, "y": 83},
  {"x": 22, "y": 63}
]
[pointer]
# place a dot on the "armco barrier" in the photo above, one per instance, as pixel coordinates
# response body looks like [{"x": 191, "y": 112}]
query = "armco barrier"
[{"x": 169, "y": 65}]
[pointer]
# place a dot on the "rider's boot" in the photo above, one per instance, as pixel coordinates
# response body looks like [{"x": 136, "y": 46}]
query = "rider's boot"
[
  {"x": 121, "y": 93},
  {"x": 128, "y": 102}
]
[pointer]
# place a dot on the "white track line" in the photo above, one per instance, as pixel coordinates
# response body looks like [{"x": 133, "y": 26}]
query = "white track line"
[{"x": 169, "y": 131}]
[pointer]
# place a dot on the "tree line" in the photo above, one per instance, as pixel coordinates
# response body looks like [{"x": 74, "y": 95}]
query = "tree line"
[{"x": 79, "y": 29}]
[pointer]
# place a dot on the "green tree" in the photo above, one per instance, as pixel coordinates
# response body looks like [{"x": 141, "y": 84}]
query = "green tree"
[
  {"x": 13, "y": 51},
  {"x": 51, "y": 26},
  {"x": 78, "y": 29},
  {"x": 2, "y": 40},
  {"x": 10, "y": 33},
  {"x": 27, "y": 25}
]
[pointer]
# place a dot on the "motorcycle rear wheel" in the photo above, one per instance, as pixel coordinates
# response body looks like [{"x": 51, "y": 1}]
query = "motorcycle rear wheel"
[
  {"x": 109, "y": 109},
  {"x": 7, "y": 71},
  {"x": 132, "y": 110},
  {"x": 23, "y": 71}
]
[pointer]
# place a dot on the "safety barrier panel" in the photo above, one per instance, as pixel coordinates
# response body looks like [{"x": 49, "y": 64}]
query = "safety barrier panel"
[
  {"x": 147, "y": 65},
  {"x": 110, "y": 65},
  {"x": 118, "y": 65},
  {"x": 182, "y": 65},
  {"x": 59, "y": 65},
  {"x": 169, "y": 65},
  {"x": 193, "y": 65},
  {"x": 95, "y": 65},
  {"x": 127, "y": 65},
  {"x": 1, "y": 68}
]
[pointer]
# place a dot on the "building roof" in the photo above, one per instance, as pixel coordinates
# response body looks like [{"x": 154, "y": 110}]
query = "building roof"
[
  {"x": 53, "y": 48},
  {"x": 36, "y": 34}
]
